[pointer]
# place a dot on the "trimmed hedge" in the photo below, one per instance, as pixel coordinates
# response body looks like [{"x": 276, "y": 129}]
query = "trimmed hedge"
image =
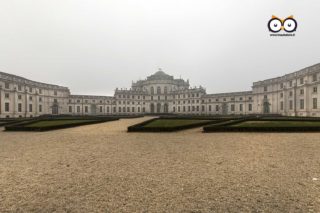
[
  {"x": 228, "y": 126},
  {"x": 4, "y": 122},
  {"x": 24, "y": 125},
  {"x": 141, "y": 126}
]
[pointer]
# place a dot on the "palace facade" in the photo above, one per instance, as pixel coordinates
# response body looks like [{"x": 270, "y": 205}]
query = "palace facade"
[{"x": 294, "y": 94}]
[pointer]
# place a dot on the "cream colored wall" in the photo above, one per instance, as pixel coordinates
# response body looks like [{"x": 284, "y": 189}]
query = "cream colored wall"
[{"x": 201, "y": 103}]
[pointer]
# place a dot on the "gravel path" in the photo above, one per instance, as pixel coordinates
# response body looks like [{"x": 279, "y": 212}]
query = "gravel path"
[{"x": 102, "y": 168}]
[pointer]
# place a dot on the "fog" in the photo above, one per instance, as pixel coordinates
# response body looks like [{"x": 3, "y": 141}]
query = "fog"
[{"x": 94, "y": 46}]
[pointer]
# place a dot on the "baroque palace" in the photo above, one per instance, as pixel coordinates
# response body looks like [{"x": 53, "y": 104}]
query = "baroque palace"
[{"x": 294, "y": 94}]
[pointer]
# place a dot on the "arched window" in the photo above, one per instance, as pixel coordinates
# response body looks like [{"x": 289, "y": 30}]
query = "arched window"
[
  {"x": 158, "y": 90},
  {"x": 152, "y": 90}
]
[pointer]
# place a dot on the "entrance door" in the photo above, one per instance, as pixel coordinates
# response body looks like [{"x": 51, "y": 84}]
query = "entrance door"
[
  {"x": 55, "y": 109},
  {"x": 165, "y": 108},
  {"x": 151, "y": 108},
  {"x": 266, "y": 107},
  {"x": 158, "y": 107},
  {"x": 224, "y": 108}
]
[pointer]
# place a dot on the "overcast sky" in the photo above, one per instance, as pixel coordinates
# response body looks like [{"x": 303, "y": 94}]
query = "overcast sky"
[{"x": 94, "y": 46}]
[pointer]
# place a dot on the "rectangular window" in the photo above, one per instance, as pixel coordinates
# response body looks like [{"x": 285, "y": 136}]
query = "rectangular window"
[
  {"x": 202, "y": 108},
  {"x": 315, "y": 89},
  {"x": 101, "y": 109},
  {"x": 265, "y": 88},
  {"x": 6, "y": 95},
  {"x": 281, "y": 105},
  {"x": 40, "y": 99},
  {"x": 19, "y": 107},
  {"x": 232, "y": 107},
  {"x": 55, "y": 93},
  {"x": 6, "y": 85},
  {"x": 290, "y": 104},
  {"x": 30, "y": 98},
  {"x": 210, "y": 108},
  {"x": 78, "y": 109},
  {"x": 301, "y": 80},
  {"x": 19, "y": 97},
  {"x": 6, "y": 107},
  {"x": 315, "y": 103},
  {"x": 290, "y": 93},
  {"x": 40, "y": 108},
  {"x": 301, "y": 103},
  {"x": 281, "y": 86},
  {"x": 314, "y": 77},
  {"x": 197, "y": 108},
  {"x": 290, "y": 83},
  {"x": 281, "y": 95},
  {"x": 70, "y": 109},
  {"x": 86, "y": 109},
  {"x": 40, "y": 91},
  {"x": 30, "y": 89},
  {"x": 301, "y": 91},
  {"x": 132, "y": 109},
  {"x": 19, "y": 88},
  {"x": 30, "y": 107},
  {"x": 217, "y": 108},
  {"x": 250, "y": 107},
  {"x": 240, "y": 107},
  {"x": 184, "y": 108},
  {"x": 108, "y": 110}
]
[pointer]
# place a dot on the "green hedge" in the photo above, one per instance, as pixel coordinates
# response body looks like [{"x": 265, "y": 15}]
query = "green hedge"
[
  {"x": 141, "y": 127},
  {"x": 5, "y": 122},
  {"x": 28, "y": 126},
  {"x": 228, "y": 126}
]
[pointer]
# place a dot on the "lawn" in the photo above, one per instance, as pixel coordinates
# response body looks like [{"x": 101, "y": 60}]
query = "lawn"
[
  {"x": 173, "y": 122},
  {"x": 56, "y": 123},
  {"x": 277, "y": 124}
]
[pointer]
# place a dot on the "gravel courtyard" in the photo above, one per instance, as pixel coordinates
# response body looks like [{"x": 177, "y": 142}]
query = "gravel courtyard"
[{"x": 102, "y": 168}]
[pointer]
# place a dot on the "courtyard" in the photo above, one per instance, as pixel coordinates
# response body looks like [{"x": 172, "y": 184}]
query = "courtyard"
[{"x": 102, "y": 168}]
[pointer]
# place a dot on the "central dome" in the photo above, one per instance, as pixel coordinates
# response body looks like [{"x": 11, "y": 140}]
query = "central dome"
[
  {"x": 160, "y": 75},
  {"x": 160, "y": 72}
]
